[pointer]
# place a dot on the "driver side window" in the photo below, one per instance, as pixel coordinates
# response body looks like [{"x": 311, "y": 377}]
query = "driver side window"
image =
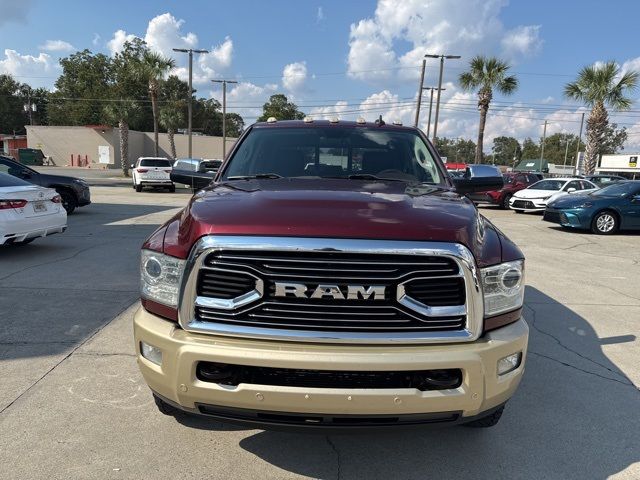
[{"x": 574, "y": 184}]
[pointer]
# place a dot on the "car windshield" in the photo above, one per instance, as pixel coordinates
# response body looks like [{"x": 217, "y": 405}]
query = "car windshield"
[
  {"x": 619, "y": 189},
  {"x": 548, "y": 185},
  {"x": 508, "y": 178},
  {"x": 335, "y": 152},
  {"x": 11, "y": 181},
  {"x": 155, "y": 162}
]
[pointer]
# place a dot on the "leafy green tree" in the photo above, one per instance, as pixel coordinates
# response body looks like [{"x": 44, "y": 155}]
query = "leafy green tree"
[
  {"x": 122, "y": 113},
  {"x": 280, "y": 108},
  {"x": 599, "y": 86},
  {"x": 487, "y": 74},
  {"x": 555, "y": 148},
  {"x": 81, "y": 90},
  {"x": 172, "y": 117},
  {"x": 12, "y": 117},
  {"x": 530, "y": 149},
  {"x": 153, "y": 68},
  {"x": 506, "y": 150},
  {"x": 613, "y": 140},
  {"x": 457, "y": 150}
]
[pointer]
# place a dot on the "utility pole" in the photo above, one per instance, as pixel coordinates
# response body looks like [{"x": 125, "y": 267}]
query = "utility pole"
[
  {"x": 420, "y": 88},
  {"x": 566, "y": 152},
  {"x": 29, "y": 107},
  {"x": 441, "y": 57},
  {"x": 575, "y": 167},
  {"x": 224, "y": 114},
  {"x": 544, "y": 137},
  {"x": 430, "y": 107},
  {"x": 190, "y": 51}
]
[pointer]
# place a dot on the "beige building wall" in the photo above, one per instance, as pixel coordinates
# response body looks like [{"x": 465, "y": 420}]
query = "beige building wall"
[{"x": 62, "y": 142}]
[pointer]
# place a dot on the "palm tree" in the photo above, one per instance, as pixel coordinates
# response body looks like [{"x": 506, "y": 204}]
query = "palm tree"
[
  {"x": 123, "y": 113},
  {"x": 153, "y": 68},
  {"x": 598, "y": 86},
  {"x": 487, "y": 74},
  {"x": 171, "y": 118}
]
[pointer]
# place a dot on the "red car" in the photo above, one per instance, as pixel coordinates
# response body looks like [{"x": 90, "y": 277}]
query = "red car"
[{"x": 513, "y": 182}]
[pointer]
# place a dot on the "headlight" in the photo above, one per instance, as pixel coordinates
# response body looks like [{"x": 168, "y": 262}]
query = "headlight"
[
  {"x": 503, "y": 287},
  {"x": 546, "y": 198},
  {"x": 585, "y": 205},
  {"x": 160, "y": 277}
]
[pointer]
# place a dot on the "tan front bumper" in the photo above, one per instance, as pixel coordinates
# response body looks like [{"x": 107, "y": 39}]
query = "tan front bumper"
[{"x": 176, "y": 380}]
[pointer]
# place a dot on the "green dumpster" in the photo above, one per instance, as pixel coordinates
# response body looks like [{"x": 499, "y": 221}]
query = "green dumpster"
[{"x": 30, "y": 156}]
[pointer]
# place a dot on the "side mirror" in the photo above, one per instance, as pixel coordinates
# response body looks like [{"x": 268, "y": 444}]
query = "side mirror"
[
  {"x": 479, "y": 178},
  {"x": 25, "y": 174},
  {"x": 571, "y": 190},
  {"x": 132, "y": 165}
]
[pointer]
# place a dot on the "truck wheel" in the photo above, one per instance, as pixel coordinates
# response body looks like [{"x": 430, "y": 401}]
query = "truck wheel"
[
  {"x": 172, "y": 189},
  {"x": 138, "y": 187},
  {"x": 69, "y": 202},
  {"x": 505, "y": 201},
  {"x": 488, "y": 421},
  {"x": 165, "y": 408},
  {"x": 605, "y": 223}
]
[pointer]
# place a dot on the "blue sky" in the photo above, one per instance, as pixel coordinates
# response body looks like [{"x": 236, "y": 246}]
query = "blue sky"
[{"x": 348, "y": 58}]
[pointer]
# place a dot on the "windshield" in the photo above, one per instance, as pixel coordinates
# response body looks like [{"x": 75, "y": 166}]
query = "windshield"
[
  {"x": 548, "y": 185},
  {"x": 11, "y": 181},
  {"x": 335, "y": 152},
  {"x": 155, "y": 162},
  {"x": 619, "y": 189}
]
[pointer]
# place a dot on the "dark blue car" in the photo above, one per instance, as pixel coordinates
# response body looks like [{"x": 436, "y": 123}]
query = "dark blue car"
[{"x": 605, "y": 211}]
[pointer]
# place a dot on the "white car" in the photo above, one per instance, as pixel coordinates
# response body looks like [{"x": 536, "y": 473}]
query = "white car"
[
  {"x": 28, "y": 211},
  {"x": 152, "y": 172},
  {"x": 535, "y": 197}
]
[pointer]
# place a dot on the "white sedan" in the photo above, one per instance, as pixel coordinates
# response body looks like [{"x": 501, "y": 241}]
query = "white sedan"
[
  {"x": 28, "y": 211},
  {"x": 536, "y": 197}
]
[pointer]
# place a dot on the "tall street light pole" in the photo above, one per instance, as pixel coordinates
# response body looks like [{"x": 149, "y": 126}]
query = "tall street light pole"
[
  {"x": 420, "y": 88},
  {"x": 430, "y": 107},
  {"x": 575, "y": 166},
  {"x": 224, "y": 114},
  {"x": 544, "y": 139},
  {"x": 441, "y": 57},
  {"x": 190, "y": 51}
]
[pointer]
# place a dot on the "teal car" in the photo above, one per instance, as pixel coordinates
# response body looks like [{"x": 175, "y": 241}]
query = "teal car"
[{"x": 605, "y": 211}]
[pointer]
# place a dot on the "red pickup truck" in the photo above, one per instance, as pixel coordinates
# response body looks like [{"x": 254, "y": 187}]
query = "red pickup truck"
[
  {"x": 513, "y": 182},
  {"x": 333, "y": 276}
]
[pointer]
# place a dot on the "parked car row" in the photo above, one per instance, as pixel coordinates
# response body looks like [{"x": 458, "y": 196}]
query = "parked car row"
[{"x": 160, "y": 172}]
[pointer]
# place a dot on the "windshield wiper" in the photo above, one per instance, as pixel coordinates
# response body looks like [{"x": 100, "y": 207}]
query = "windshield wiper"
[
  {"x": 365, "y": 176},
  {"x": 256, "y": 176}
]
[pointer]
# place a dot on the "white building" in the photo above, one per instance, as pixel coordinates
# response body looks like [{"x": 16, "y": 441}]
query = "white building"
[{"x": 620, "y": 164}]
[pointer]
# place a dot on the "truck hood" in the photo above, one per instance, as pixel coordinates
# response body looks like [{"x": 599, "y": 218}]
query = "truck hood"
[{"x": 334, "y": 208}]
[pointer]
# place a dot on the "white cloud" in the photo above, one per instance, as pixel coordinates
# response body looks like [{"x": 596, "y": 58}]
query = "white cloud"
[
  {"x": 320, "y": 15},
  {"x": 120, "y": 37},
  {"x": 96, "y": 39},
  {"x": 27, "y": 68},
  {"x": 338, "y": 110},
  {"x": 219, "y": 58},
  {"x": 522, "y": 41},
  {"x": 294, "y": 76},
  {"x": 245, "y": 97},
  {"x": 164, "y": 33},
  {"x": 378, "y": 45},
  {"x": 57, "y": 46}
]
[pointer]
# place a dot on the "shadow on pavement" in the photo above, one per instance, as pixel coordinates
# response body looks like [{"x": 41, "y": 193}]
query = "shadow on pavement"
[{"x": 575, "y": 416}]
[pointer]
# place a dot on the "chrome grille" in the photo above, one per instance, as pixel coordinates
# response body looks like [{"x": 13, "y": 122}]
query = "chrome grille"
[{"x": 431, "y": 290}]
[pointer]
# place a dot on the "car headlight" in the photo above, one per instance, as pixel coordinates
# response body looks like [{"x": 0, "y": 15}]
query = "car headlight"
[
  {"x": 546, "y": 198},
  {"x": 160, "y": 276},
  {"x": 503, "y": 287},
  {"x": 585, "y": 205}
]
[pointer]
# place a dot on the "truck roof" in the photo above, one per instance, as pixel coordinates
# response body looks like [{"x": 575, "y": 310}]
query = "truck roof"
[{"x": 330, "y": 123}]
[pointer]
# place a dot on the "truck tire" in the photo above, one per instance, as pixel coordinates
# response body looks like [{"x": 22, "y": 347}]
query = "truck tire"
[
  {"x": 488, "y": 421},
  {"x": 69, "y": 202},
  {"x": 172, "y": 189},
  {"x": 165, "y": 408}
]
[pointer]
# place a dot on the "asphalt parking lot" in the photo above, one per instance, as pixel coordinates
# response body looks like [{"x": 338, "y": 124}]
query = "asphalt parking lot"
[{"x": 73, "y": 405}]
